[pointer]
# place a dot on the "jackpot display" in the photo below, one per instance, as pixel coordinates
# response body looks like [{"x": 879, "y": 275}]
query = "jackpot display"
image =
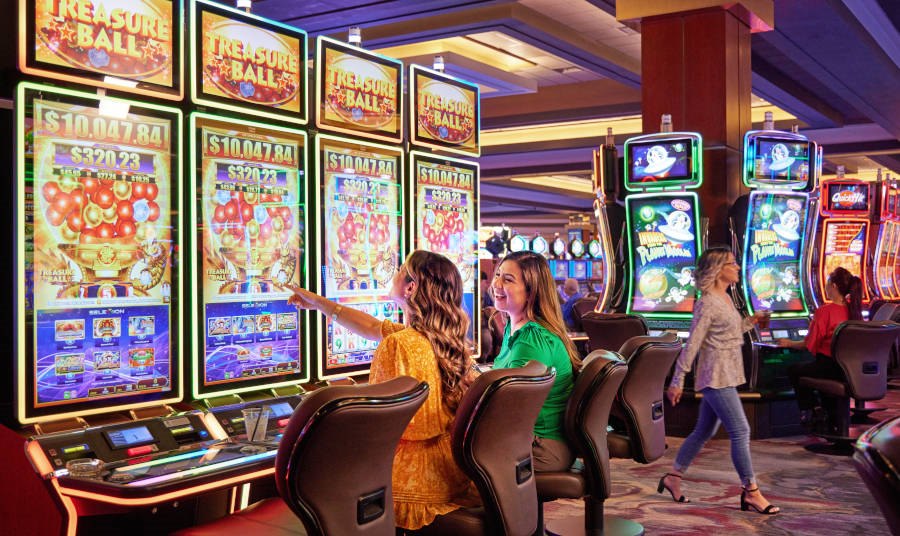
[
  {"x": 663, "y": 247},
  {"x": 445, "y": 112},
  {"x": 362, "y": 246},
  {"x": 773, "y": 251},
  {"x": 358, "y": 92},
  {"x": 446, "y": 193},
  {"x": 88, "y": 40},
  {"x": 246, "y": 63},
  {"x": 250, "y": 242},
  {"x": 102, "y": 322}
]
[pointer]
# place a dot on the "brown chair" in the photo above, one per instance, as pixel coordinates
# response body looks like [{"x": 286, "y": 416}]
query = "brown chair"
[
  {"x": 639, "y": 428},
  {"x": 321, "y": 475},
  {"x": 585, "y": 305},
  {"x": 611, "y": 331},
  {"x": 491, "y": 437},
  {"x": 877, "y": 460},
  {"x": 587, "y": 416},
  {"x": 862, "y": 349}
]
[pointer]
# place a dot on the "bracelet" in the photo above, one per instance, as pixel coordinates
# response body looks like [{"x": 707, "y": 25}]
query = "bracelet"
[{"x": 336, "y": 312}]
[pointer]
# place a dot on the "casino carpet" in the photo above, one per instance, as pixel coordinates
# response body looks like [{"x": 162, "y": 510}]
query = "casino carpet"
[{"x": 818, "y": 494}]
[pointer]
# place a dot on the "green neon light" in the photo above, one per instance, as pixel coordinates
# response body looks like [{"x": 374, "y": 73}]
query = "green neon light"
[{"x": 696, "y": 171}]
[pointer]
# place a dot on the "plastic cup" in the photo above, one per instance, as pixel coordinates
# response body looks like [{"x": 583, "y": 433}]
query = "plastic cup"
[
  {"x": 85, "y": 468},
  {"x": 256, "y": 422},
  {"x": 764, "y": 316}
]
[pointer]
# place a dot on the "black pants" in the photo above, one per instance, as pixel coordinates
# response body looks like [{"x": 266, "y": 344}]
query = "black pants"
[{"x": 824, "y": 367}]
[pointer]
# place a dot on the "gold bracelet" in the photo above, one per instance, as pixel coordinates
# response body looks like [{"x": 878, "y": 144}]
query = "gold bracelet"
[{"x": 336, "y": 312}]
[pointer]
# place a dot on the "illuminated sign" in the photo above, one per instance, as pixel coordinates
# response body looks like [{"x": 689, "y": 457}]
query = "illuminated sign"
[
  {"x": 446, "y": 112},
  {"x": 657, "y": 161}
]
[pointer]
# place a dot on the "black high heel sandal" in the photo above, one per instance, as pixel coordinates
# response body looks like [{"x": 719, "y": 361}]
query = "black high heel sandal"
[
  {"x": 768, "y": 510},
  {"x": 662, "y": 486}
]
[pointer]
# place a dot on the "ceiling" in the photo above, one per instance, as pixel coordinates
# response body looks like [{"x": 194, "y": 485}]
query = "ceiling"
[{"x": 570, "y": 68}]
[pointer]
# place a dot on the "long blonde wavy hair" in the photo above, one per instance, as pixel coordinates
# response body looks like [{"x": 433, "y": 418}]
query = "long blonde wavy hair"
[
  {"x": 709, "y": 265},
  {"x": 434, "y": 309},
  {"x": 541, "y": 302}
]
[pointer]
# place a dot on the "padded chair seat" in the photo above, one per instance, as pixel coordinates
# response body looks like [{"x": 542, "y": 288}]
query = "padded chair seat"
[
  {"x": 271, "y": 517},
  {"x": 826, "y": 387},
  {"x": 568, "y": 485},
  {"x": 619, "y": 445},
  {"x": 462, "y": 522}
]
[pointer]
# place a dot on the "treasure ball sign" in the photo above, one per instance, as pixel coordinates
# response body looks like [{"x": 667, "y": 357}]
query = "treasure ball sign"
[
  {"x": 359, "y": 92},
  {"x": 251, "y": 230},
  {"x": 131, "y": 39},
  {"x": 103, "y": 241},
  {"x": 361, "y": 211},
  {"x": 663, "y": 247},
  {"x": 446, "y": 112},
  {"x": 249, "y": 61},
  {"x": 774, "y": 244}
]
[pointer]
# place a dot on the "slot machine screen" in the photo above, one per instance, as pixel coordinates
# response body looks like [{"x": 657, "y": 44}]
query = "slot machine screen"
[
  {"x": 663, "y": 248},
  {"x": 661, "y": 162},
  {"x": 579, "y": 270},
  {"x": 250, "y": 240},
  {"x": 362, "y": 243},
  {"x": 844, "y": 245},
  {"x": 560, "y": 269},
  {"x": 445, "y": 112},
  {"x": 101, "y": 328},
  {"x": 247, "y": 63},
  {"x": 358, "y": 91},
  {"x": 782, "y": 161},
  {"x": 446, "y": 193},
  {"x": 846, "y": 199},
  {"x": 138, "y": 41},
  {"x": 773, "y": 249}
]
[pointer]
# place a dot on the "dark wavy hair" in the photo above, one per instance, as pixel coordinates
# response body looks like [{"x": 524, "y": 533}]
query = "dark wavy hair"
[
  {"x": 850, "y": 287},
  {"x": 434, "y": 309},
  {"x": 541, "y": 301}
]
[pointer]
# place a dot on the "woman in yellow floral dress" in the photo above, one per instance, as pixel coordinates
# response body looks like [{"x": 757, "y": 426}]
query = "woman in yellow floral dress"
[{"x": 430, "y": 347}]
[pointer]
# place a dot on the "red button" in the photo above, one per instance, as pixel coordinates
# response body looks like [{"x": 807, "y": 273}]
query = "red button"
[
  {"x": 137, "y": 451},
  {"x": 283, "y": 422}
]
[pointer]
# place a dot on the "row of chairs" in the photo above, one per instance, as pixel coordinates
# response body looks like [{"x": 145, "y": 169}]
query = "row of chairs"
[{"x": 323, "y": 479}]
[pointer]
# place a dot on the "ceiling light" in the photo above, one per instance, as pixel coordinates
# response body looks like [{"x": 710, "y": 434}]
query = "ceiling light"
[
  {"x": 354, "y": 36},
  {"x": 438, "y": 64}
]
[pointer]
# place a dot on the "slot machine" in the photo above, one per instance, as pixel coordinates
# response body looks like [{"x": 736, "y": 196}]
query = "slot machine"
[
  {"x": 445, "y": 117},
  {"x": 361, "y": 203},
  {"x": 600, "y": 248},
  {"x": 885, "y": 253},
  {"x": 663, "y": 227},
  {"x": 778, "y": 166}
]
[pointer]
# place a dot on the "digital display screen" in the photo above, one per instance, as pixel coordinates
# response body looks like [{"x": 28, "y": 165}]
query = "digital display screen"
[
  {"x": 362, "y": 245},
  {"x": 882, "y": 272},
  {"x": 136, "y": 40},
  {"x": 104, "y": 233},
  {"x": 129, "y": 437},
  {"x": 280, "y": 409},
  {"x": 251, "y": 229},
  {"x": 446, "y": 218},
  {"x": 446, "y": 112},
  {"x": 559, "y": 269},
  {"x": 663, "y": 247},
  {"x": 776, "y": 224},
  {"x": 781, "y": 160},
  {"x": 846, "y": 198},
  {"x": 579, "y": 270},
  {"x": 844, "y": 245},
  {"x": 247, "y": 61},
  {"x": 780, "y": 334},
  {"x": 657, "y": 160},
  {"x": 359, "y": 92}
]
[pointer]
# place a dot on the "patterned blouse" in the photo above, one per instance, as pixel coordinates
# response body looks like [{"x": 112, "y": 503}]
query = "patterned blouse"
[
  {"x": 426, "y": 480},
  {"x": 717, "y": 336}
]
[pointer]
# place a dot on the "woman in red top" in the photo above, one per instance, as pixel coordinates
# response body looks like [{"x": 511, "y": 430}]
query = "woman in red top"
[{"x": 844, "y": 290}]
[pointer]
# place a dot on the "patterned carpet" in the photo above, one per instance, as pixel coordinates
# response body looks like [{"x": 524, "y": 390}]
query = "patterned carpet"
[{"x": 818, "y": 494}]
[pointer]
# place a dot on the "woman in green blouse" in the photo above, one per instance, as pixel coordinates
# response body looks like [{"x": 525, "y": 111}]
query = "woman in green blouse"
[{"x": 523, "y": 288}]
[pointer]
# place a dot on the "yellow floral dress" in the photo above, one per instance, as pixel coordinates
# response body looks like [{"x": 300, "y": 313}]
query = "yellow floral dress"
[{"x": 426, "y": 480}]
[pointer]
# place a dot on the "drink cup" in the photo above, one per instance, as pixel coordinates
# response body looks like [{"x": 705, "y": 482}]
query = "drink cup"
[
  {"x": 256, "y": 421},
  {"x": 764, "y": 316}
]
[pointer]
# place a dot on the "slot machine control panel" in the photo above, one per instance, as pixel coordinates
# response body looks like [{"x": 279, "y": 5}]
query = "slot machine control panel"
[
  {"x": 794, "y": 329},
  {"x": 231, "y": 417}
]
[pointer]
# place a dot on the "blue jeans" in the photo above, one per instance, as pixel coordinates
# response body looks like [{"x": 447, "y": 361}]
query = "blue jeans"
[{"x": 720, "y": 406}]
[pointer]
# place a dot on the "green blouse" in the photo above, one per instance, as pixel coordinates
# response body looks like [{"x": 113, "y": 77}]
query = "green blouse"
[{"x": 534, "y": 342}]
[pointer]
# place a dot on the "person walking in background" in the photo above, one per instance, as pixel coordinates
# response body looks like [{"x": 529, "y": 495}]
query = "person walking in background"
[
  {"x": 716, "y": 337},
  {"x": 844, "y": 290}
]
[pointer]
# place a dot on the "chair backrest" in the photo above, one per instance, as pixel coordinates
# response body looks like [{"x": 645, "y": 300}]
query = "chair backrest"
[
  {"x": 611, "y": 331},
  {"x": 587, "y": 416},
  {"x": 333, "y": 466},
  {"x": 640, "y": 400},
  {"x": 862, "y": 349},
  {"x": 492, "y": 435},
  {"x": 877, "y": 460},
  {"x": 585, "y": 305},
  {"x": 885, "y": 311}
]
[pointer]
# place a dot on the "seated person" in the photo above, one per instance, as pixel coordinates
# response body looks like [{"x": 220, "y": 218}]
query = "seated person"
[
  {"x": 571, "y": 293},
  {"x": 431, "y": 347},
  {"x": 523, "y": 287},
  {"x": 845, "y": 292}
]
